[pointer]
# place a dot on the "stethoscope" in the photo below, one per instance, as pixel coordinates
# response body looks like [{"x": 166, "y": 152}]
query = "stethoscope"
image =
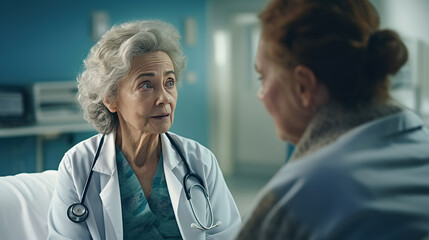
[{"x": 78, "y": 212}]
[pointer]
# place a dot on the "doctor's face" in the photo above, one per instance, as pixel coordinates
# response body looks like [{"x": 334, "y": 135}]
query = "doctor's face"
[
  {"x": 278, "y": 93},
  {"x": 147, "y": 96}
]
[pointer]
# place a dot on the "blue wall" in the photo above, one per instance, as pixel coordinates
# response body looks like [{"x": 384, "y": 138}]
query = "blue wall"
[{"x": 48, "y": 40}]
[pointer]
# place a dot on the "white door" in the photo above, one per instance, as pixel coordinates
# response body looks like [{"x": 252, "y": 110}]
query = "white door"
[
  {"x": 257, "y": 147},
  {"x": 243, "y": 135}
]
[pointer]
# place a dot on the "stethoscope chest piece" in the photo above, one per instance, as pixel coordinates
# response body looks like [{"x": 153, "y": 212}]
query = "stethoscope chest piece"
[{"x": 77, "y": 212}]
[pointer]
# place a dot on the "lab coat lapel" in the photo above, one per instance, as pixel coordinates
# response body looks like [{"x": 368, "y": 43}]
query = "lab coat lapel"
[
  {"x": 91, "y": 223},
  {"x": 110, "y": 196},
  {"x": 174, "y": 174},
  {"x": 171, "y": 160},
  {"x": 110, "y": 193}
]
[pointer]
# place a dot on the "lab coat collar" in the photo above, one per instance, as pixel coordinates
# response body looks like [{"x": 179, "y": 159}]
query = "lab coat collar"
[
  {"x": 106, "y": 162},
  {"x": 170, "y": 156}
]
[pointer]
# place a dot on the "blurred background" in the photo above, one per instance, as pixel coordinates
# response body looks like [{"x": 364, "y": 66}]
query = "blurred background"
[{"x": 43, "y": 45}]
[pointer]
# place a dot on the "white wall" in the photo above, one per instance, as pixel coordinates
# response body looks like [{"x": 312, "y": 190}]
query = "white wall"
[{"x": 410, "y": 18}]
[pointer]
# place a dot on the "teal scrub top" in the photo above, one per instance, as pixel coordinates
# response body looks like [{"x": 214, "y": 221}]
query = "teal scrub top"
[{"x": 143, "y": 218}]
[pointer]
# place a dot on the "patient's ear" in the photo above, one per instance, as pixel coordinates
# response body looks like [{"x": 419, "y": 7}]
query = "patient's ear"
[
  {"x": 308, "y": 89},
  {"x": 111, "y": 106}
]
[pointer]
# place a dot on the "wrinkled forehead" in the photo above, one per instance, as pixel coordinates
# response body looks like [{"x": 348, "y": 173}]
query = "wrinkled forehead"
[{"x": 152, "y": 61}]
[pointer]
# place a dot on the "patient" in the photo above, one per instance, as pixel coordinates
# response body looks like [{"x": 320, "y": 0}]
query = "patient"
[
  {"x": 361, "y": 163},
  {"x": 142, "y": 181}
]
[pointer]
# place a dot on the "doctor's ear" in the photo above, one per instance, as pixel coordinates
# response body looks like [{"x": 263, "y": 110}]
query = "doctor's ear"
[
  {"x": 310, "y": 91},
  {"x": 109, "y": 105}
]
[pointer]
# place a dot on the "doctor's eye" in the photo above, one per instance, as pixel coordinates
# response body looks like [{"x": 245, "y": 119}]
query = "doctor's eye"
[
  {"x": 170, "y": 83},
  {"x": 145, "y": 85}
]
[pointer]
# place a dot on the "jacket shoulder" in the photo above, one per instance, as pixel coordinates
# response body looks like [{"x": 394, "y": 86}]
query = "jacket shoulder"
[{"x": 82, "y": 153}]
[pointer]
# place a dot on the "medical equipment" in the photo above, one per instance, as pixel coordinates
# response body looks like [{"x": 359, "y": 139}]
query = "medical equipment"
[
  {"x": 15, "y": 109},
  {"x": 78, "y": 212}
]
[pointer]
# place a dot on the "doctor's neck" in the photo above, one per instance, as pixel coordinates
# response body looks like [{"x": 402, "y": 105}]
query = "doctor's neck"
[{"x": 138, "y": 147}]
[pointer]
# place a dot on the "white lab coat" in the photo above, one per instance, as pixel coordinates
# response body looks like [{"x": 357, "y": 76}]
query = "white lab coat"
[{"x": 103, "y": 198}]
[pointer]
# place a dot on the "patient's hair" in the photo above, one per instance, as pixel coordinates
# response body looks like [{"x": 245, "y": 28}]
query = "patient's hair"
[
  {"x": 109, "y": 61},
  {"x": 340, "y": 41}
]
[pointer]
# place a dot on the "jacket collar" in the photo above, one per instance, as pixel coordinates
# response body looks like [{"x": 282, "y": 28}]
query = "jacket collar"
[
  {"x": 334, "y": 122},
  {"x": 403, "y": 121}
]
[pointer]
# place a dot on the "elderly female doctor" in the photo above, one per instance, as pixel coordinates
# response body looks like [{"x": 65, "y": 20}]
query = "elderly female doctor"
[{"x": 134, "y": 180}]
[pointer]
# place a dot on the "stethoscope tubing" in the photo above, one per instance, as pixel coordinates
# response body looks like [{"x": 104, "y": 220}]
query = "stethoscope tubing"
[
  {"x": 78, "y": 212},
  {"x": 97, "y": 154}
]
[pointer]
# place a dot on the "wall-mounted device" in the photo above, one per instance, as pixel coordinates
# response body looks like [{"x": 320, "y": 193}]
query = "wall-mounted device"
[
  {"x": 56, "y": 102},
  {"x": 100, "y": 23},
  {"x": 191, "y": 31},
  {"x": 15, "y": 107}
]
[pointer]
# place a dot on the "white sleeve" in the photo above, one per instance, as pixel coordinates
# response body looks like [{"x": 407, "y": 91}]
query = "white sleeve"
[{"x": 65, "y": 194}]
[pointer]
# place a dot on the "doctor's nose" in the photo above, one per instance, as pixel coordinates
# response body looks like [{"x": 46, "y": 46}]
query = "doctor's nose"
[{"x": 162, "y": 97}]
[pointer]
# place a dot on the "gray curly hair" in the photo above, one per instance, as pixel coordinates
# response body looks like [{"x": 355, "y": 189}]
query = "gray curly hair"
[{"x": 109, "y": 61}]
